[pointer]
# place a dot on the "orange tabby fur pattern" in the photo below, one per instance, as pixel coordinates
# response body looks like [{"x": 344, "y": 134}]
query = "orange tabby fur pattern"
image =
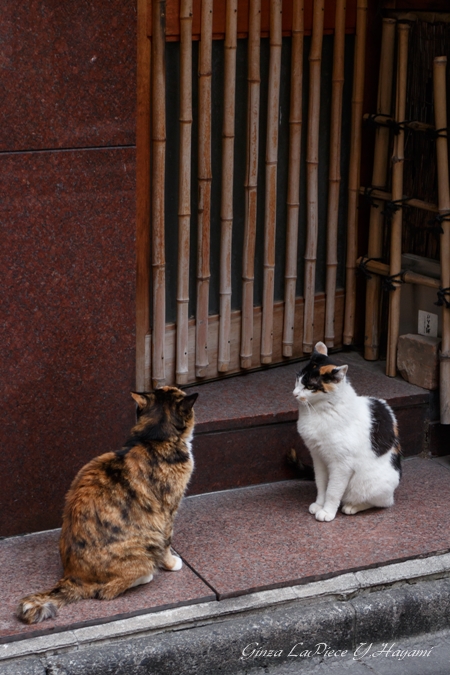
[{"x": 120, "y": 508}]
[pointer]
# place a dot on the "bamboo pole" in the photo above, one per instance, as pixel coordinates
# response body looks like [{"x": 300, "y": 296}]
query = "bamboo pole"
[
  {"x": 385, "y": 120},
  {"x": 353, "y": 179},
  {"x": 251, "y": 182},
  {"x": 397, "y": 193},
  {"x": 416, "y": 203},
  {"x": 440, "y": 112},
  {"x": 270, "y": 216},
  {"x": 143, "y": 299},
  {"x": 379, "y": 180},
  {"x": 408, "y": 277},
  {"x": 158, "y": 171},
  {"x": 334, "y": 177},
  {"x": 184, "y": 191},
  {"x": 293, "y": 196},
  {"x": 227, "y": 185},
  {"x": 312, "y": 166},
  {"x": 204, "y": 188}
]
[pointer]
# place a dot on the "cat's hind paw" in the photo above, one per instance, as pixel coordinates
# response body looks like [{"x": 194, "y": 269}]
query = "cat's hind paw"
[
  {"x": 323, "y": 515},
  {"x": 315, "y": 507},
  {"x": 142, "y": 580},
  {"x": 351, "y": 509}
]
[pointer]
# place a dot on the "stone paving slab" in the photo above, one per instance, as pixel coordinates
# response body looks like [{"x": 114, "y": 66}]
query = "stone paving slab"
[
  {"x": 263, "y": 537},
  {"x": 31, "y": 563}
]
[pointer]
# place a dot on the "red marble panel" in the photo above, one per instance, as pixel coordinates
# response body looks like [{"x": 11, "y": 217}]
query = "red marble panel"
[
  {"x": 67, "y": 258},
  {"x": 68, "y": 74}
]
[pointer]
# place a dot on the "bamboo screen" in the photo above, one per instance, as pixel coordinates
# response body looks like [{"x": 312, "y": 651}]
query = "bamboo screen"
[{"x": 243, "y": 153}]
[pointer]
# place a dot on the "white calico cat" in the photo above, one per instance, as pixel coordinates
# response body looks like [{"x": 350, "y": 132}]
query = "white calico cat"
[{"x": 353, "y": 440}]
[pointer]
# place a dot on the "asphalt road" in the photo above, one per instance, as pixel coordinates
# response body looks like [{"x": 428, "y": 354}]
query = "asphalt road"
[{"x": 421, "y": 655}]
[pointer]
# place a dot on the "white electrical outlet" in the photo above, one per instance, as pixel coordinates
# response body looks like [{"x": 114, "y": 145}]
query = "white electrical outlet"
[{"x": 428, "y": 324}]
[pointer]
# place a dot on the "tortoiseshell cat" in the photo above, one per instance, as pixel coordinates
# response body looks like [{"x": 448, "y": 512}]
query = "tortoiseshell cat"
[
  {"x": 120, "y": 508},
  {"x": 353, "y": 440}
]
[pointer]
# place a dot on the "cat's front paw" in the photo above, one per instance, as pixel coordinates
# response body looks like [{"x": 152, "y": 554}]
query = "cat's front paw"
[
  {"x": 323, "y": 515},
  {"x": 173, "y": 564},
  {"x": 315, "y": 507},
  {"x": 178, "y": 564}
]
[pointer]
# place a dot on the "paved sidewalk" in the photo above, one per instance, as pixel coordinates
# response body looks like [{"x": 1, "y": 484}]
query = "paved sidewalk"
[
  {"x": 258, "y": 568},
  {"x": 203, "y": 642}
]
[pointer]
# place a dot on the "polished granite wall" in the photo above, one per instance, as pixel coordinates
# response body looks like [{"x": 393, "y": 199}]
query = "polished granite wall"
[{"x": 67, "y": 258}]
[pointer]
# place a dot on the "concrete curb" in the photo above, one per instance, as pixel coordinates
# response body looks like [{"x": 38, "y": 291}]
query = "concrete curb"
[{"x": 372, "y": 605}]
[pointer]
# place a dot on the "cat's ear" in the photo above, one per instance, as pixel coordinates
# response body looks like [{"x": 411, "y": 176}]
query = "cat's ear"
[
  {"x": 339, "y": 373},
  {"x": 321, "y": 348},
  {"x": 187, "y": 403},
  {"x": 140, "y": 399}
]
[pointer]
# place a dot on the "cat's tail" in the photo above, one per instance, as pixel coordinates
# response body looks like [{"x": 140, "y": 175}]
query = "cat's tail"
[
  {"x": 303, "y": 471},
  {"x": 40, "y": 606}
]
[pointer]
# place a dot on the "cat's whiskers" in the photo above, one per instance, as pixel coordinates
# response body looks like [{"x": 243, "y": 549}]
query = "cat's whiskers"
[{"x": 309, "y": 406}]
